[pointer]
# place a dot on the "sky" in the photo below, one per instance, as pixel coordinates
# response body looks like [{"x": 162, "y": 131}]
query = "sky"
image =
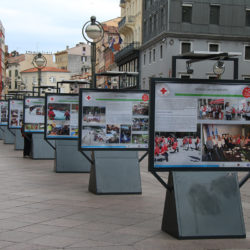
[{"x": 51, "y": 25}]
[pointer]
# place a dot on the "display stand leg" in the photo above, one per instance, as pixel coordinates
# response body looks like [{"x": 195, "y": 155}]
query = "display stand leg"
[
  {"x": 8, "y": 137},
  {"x": 68, "y": 159},
  {"x": 203, "y": 205},
  {"x": 115, "y": 172},
  {"x": 40, "y": 148},
  {"x": 1, "y": 133},
  {"x": 19, "y": 140}
]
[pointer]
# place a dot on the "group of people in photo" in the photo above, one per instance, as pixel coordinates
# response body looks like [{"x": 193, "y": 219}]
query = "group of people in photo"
[
  {"x": 221, "y": 109},
  {"x": 227, "y": 147}
]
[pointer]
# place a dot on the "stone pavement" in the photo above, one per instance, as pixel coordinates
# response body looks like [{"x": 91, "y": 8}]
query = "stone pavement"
[{"x": 40, "y": 209}]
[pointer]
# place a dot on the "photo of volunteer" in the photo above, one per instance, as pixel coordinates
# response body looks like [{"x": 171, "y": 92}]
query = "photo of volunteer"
[
  {"x": 223, "y": 109},
  {"x": 177, "y": 147},
  {"x": 58, "y": 128},
  {"x": 58, "y": 111},
  {"x": 226, "y": 143},
  {"x": 93, "y": 114}
]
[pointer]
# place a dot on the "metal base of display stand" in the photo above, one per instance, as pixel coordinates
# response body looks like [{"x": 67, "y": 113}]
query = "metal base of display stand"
[
  {"x": 8, "y": 137},
  {"x": 115, "y": 173},
  {"x": 1, "y": 133},
  {"x": 203, "y": 205},
  {"x": 69, "y": 159},
  {"x": 40, "y": 148},
  {"x": 19, "y": 140}
]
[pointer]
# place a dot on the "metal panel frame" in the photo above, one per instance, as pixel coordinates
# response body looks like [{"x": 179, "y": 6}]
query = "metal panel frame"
[
  {"x": 153, "y": 82},
  {"x": 80, "y": 118}
]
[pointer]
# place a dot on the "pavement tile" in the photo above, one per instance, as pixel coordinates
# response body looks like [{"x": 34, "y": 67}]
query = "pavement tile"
[{"x": 17, "y": 236}]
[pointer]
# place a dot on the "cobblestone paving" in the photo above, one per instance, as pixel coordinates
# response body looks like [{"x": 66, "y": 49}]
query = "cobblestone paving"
[{"x": 40, "y": 209}]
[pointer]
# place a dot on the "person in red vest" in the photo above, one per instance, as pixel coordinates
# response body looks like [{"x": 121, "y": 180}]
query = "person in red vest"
[
  {"x": 51, "y": 114},
  {"x": 175, "y": 146},
  {"x": 197, "y": 143},
  {"x": 157, "y": 150},
  {"x": 164, "y": 151},
  {"x": 189, "y": 143}
]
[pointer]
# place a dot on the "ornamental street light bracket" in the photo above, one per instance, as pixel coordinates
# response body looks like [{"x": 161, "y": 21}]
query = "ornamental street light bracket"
[
  {"x": 39, "y": 62},
  {"x": 93, "y": 32}
]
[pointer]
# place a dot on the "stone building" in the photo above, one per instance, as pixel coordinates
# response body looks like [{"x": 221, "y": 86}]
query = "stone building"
[{"x": 2, "y": 57}]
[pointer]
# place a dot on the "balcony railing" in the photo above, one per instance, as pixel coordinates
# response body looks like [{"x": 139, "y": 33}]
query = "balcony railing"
[
  {"x": 126, "y": 21},
  {"x": 127, "y": 50}
]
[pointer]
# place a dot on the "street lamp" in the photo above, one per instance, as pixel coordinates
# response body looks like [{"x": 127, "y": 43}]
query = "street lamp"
[
  {"x": 39, "y": 62},
  {"x": 93, "y": 30}
]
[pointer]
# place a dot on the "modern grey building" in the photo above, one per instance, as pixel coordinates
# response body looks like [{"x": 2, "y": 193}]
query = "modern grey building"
[{"x": 178, "y": 27}]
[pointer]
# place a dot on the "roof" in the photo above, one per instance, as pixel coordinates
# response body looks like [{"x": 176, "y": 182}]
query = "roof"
[{"x": 45, "y": 69}]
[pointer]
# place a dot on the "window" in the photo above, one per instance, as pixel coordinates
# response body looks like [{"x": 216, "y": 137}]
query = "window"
[
  {"x": 16, "y": 73},
  {"x": 213, "y": 47},
  {"x": 187, "y": 13},
  {"x": 185, "y": 47},
  {"x": 213, "y": 77},
  {"x": 161, "y": 52},
  {"x": 184, "y": 76},
  {"x": 247, "y": 52},
  {"x": 162, "y": 17},
  {"x": 150, "y": 24},
  {"x": 15, "y": 84},
  {"x": 247, "y": 17},
  {"x": 83, "y": 49},
  {"x": 214, "y": 14},
  {"x": 10, "y": 73},
  {"x": 144, "y": 59},
  {"x": 150, "y": 56},
  {"x": 155, "y": 22},
  {"x": 153, "y": 55}
]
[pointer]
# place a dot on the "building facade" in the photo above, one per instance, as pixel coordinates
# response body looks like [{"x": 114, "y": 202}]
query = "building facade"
[
  {"x": 105, "y": 52},
  {"x": 76, "y": 60},
  {"x": 2, "y": 57},
  {"x": 130, "y": 28},
  {"x": 49, "y": 77},
  {"x": 178, "y": 27},
  {"x": 17, "y": 63}
]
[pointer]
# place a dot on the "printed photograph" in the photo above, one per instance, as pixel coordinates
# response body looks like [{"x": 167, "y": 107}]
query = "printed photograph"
[
  {"x": 93, "y": 135},
  {"x": 228, "y": 143},
  {"x": 112, "y": 133},
  {"x": 177, "y": 147},
  {"x": 125, "y": 134},
  {"x": 58, "y": 111},
  {"x": 139, "y": 124},
  {"x": 140, "y": 139},
  {"x": 140, "y": 109},
  {"x": 74, "y": 131},
  {"x": 237, "y": 109},
  {"x": 93, "y": 115},
  {"x": 4, "y": 117},
  {"x": 211, "y": 109},
  {"x": 58, "y": 128}
]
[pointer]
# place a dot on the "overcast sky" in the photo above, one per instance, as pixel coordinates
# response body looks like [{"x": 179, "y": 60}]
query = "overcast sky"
[{"x": 50, "y": 25}]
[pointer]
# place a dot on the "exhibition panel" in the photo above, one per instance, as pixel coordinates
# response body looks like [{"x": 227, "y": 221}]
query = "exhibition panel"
[
  {"x": 199, "y": 125},
  {"x": 113, "y": 119},
  {"x": 61, "y": 119},
  {"x": 3, "y": 113},
  {"x": 34, "y": 112},
  {"x": 15, "y": 114}
]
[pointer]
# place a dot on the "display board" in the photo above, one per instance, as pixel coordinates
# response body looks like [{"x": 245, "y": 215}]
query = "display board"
[
  {"x": 3, "y": 113},
  {"x": 113, "y": 119},
  {"x": 34, "y": 112},
  {"x": 199, "y": 125},
  {"x": 61, "y": 120},
  {"x": 15, "y": 115}
]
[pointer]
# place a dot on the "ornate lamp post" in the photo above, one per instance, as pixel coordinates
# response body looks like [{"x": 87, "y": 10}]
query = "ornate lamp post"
[
  {"x": 93, "y": 30},
  {"x": 39, "y": 62}
]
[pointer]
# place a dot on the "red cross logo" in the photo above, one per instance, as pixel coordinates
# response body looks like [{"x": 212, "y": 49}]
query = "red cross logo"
[
  {"x": 52, "y": 99},
  {"x": 1, "y": 103},
  {"x": 88, "y": 98},
  {"x": 163, "y": 91},
  {"x": 13, "y": 102},
  {"x": 28, "y": 101},
  {"x": 145, "y": 97}
]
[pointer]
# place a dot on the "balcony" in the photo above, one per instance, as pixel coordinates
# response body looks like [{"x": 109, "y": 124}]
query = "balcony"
[
  {"x": 131, "y": 49},
  {"x": 127, "y": 22}
]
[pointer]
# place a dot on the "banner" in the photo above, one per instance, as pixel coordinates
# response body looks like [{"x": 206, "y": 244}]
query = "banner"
[
  {"x": 34, "y": 112},
  {"x": 15, "y": 113},
  {"x": 3, "y": 113},
  {"x": 61, "y": 116},
  {"x": 114, "y": 120},
  {"x": 199, "y": 125}
]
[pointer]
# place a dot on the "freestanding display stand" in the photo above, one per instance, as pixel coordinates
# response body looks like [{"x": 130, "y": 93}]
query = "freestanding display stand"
[
  {"x": 203, "y": 205},
  {"x": 40, "y": 148},
  {"x": 19, "y": 140},
  {"x": 9, "y": 136},
  {"x": 68, "y": 159},
  {"x": 115, "y": 172}
]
